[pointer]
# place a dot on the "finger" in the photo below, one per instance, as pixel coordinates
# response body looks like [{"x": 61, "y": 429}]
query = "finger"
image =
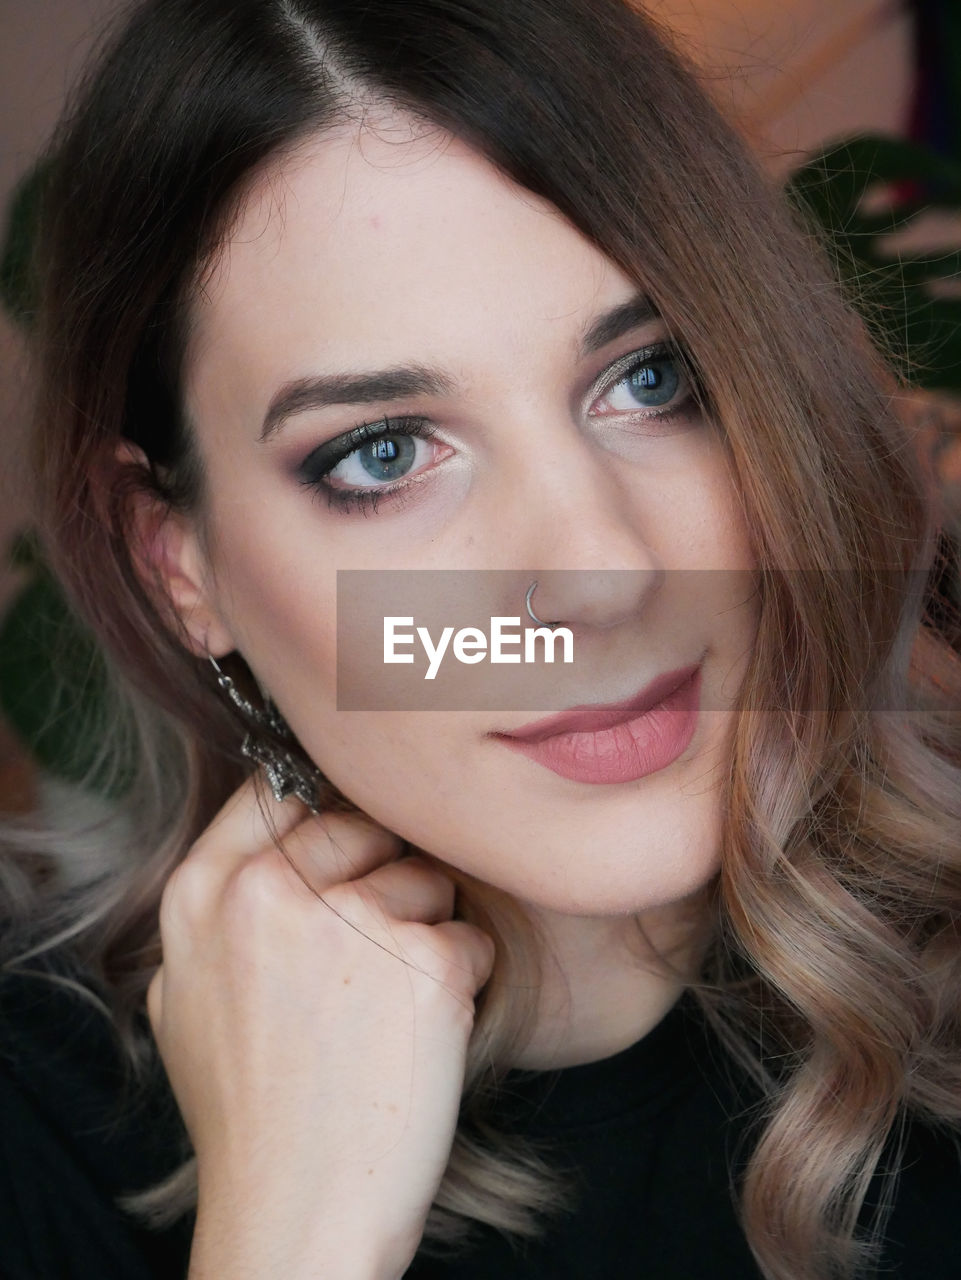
[
  {"x": 249, "y": 820},
  {"x": 331, "y": 848},
  {"x": 411, "y": 889},
  {"x": 468, "y": 950}
]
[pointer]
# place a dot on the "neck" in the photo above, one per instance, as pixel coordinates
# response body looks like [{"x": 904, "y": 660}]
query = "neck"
[{"x": 603, "y": 985}]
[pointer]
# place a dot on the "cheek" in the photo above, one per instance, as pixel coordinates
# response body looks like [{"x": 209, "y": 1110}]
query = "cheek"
[
  {"x": 599, "y": 851},
  {"x": 278, "y": 598},
  {"x": 383, "y": 762},
  {"x": 719, "y": 531}
]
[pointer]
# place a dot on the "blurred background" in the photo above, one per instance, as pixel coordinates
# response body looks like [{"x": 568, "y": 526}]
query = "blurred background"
[{"x": 799, "y": 75}]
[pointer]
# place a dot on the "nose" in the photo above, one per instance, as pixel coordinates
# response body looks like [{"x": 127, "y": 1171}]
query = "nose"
[{"x": 579, "y": 533}]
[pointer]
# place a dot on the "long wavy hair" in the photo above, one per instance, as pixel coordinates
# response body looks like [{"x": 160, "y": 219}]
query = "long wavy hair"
[{"x": 833, "y": 922}]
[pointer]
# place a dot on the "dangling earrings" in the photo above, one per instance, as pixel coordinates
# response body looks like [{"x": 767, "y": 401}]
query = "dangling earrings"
[{"x": 285, "y": 773}]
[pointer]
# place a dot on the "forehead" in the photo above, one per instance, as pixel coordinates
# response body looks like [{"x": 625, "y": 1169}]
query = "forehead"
[{"x": 380, "y": 241}]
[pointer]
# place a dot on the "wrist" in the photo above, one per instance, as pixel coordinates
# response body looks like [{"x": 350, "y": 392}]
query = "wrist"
[{"x": 261, "y": 1244}]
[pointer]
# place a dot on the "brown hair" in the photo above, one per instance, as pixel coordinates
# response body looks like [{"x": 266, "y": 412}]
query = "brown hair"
[{"x": 834, "y": 917}]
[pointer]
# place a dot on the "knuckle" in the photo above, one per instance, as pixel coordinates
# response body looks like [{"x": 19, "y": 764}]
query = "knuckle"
[
  {"x": 174, "y": 893},
  {"x": 441, "y": 959},
  {"x": 185, "y": 895},
  {"x": 357, "y": 904},
  {"x": 417, "y": 864},
  {"x": 256, "y": 885},
  {"x": 422, "y": 874},
  {"x": 485, "y": 943},
  {"x": 353, "y": 837},
  {"x": 188, "y": 879}
]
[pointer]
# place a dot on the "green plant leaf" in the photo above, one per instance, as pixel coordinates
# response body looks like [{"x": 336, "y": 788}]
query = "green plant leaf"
[
  {"x": 54, "y": 689},
  {"x": 918, "y": 327}
]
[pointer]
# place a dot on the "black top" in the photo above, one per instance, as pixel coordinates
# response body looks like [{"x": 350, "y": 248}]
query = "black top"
[{"x": 651, "y": 1137}]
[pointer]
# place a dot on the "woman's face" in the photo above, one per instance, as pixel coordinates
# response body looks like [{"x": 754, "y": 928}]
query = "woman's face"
[{"x": 384, "y": 247}]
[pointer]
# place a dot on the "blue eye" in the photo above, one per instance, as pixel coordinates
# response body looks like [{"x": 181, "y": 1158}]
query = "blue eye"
[
  {"x": 655, "y": 382},
  {"x": 388, "y": 458},
  {"x": 379, "y": 461},
  {"x": 653, "y": 379},
  {"x": 373, "y": 453}
]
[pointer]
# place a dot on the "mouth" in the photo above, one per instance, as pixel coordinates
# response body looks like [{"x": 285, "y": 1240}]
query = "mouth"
[
  {"x": 592, "y": 717},
  {"x": 619, "y": 741}
]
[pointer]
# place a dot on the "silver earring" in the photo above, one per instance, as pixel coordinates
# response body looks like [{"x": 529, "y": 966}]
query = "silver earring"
[
  {"x": 530, "y": 592},
  {"x": 285, "y": 773}
]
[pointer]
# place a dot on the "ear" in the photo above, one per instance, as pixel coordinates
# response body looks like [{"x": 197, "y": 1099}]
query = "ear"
[{"x": 167, "y": 553}]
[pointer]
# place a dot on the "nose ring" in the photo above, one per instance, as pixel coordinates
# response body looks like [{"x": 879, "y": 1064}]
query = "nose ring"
[{"x": 530, "y": 592}]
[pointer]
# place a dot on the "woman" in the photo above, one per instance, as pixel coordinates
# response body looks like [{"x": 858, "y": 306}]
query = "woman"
[{"x": 660, "y": 980}]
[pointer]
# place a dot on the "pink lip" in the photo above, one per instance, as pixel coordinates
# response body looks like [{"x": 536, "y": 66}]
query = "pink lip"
[
  {"x": 619, "y": 749},
  {"x": 606, "y": 715}
]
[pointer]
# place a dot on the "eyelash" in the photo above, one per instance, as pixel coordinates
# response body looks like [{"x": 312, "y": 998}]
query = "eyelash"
[
  {"x": 367, "y": 500},
  {"x": 361, "y": 499}
]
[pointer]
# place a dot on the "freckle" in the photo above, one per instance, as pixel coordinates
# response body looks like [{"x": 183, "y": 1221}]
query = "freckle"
[
  {"x": 347, "y": 982},
  {"x": 391, "y": 1108},
  {"x": 369, "y": 1172}
]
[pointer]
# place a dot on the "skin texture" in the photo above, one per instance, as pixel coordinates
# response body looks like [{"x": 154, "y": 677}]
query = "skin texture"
[
  {"x": 386, "y": 243},
  {"x": 314, "y": 1031}
]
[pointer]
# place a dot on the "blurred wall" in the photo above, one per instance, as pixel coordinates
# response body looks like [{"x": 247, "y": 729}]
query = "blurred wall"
[
  {"x": 42, "y": 46},
  {"x": 799, "y": 72}
]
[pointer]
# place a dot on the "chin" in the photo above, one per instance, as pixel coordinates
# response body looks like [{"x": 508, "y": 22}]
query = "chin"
[{"x": 604, "y": 886}]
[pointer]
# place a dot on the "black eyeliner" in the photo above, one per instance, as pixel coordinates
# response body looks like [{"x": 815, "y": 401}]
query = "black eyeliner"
[
  {"x": 613, "y": 374},
  {"x": 326, "y": 456}
]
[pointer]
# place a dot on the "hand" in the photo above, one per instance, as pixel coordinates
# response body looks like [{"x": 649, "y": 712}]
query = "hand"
[{"x": 313, "y": 1018}]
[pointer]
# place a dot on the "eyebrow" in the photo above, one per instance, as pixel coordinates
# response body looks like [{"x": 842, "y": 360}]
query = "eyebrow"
[
  {"x": 406, "y": 382},
  {"x": 613, "y": 324}
]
